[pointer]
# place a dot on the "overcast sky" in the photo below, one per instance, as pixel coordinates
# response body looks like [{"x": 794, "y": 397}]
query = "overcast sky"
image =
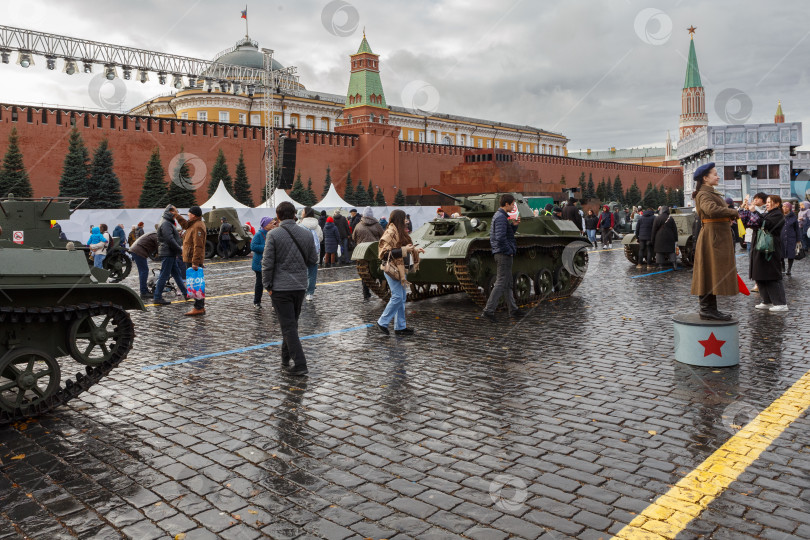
[{"x": 603, "y": 73}]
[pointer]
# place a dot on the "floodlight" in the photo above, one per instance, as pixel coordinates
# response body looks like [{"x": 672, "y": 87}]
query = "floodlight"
[
  {"x": 162, "y": 77},
  {"x": 127, "y": 73},
  {"x": 4, "y": 55},
  {"x": 235, "y": 87},
  {"x": 87, "y": 66},
  {"x": 109, "y": 72},
  {"x": 50, "y": 62},
  {"x": 25, "y": 60},
  {"x": 143, "y": 75},
  {"x": 70, "y": 66},
  {"x": 177, "y": 81}
]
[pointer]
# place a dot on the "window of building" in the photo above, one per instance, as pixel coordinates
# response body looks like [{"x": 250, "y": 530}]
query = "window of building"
[
  {"x": 224, "y": 116},
  {"x": 324, "y": 124},
  {"x": 371, "y": 117},
  {"x": 410, "y": 135},
  {"x": 294, "y": 122},
  {"x": 497, "y": 144},
  {"x": 255, "y": 119},
  {"x": 202, "y": 116},
  {"x": 421, "y": 136},
  {"x": 489, "y": 143},
  {"x": 184, "y": 116},
  {"x": 432, "y": 137},
  {"x": 463, "y": 141},
  {"x": 480, "y": 143},
  {"x": 520, "y": 147},
  {"x": 512, "y": 147},
  {"x": 242, "y": 118},
  {"x": 276, "y": 121},
  {"x": 310, "y": 123}
]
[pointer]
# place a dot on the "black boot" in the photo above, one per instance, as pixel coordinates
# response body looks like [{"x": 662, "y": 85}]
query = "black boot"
[{"x": 708, "y": 309}]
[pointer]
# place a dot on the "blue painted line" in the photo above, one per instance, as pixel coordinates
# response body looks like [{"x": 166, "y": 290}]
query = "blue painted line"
[
  {"x": 652, "y": 274},
  {"x": 251, "y": 348}
]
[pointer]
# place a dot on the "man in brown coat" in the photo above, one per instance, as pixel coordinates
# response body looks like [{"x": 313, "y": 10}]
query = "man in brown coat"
[
  {"x": 368, "y": 229},
  {"x": 193, "y": 247}
]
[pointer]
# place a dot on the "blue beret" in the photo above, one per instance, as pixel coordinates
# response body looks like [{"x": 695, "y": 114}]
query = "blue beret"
[{"x": 701, "y": 171}]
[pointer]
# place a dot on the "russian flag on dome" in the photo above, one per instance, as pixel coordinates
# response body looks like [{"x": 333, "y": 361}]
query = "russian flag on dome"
[{"x": 244, "y": 13}]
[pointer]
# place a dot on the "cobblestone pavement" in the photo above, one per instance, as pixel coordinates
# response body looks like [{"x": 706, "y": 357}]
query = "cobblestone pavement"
[{"x": 567, "y": 424}]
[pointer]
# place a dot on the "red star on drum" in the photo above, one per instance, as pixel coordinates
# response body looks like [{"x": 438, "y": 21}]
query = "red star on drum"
[{"x": 712, "y": 346}]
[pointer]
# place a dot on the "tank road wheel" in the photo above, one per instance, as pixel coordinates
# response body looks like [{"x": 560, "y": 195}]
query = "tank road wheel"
[
  {"x": 94, "y": 339},
  {"x": 543, "y": 283},
  {"x": 210, "y": 249},
  {"x": 522, "y": 288},
  {"x": 631, "y": 254},
  {"x": 563, "y": 280},
  {"x": 27, "y": 378},
  {"x": 580, "y": 262},
  {"x": 119, "y": 266},
  {"x": 231, "y": 251},
  {"x": 474, "y": 267}
]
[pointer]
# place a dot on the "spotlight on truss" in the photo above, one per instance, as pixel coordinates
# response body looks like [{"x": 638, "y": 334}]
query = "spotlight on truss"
[
  {"x": 50, "y": 62},
  {"x": 70, "y": 66},
  {"x": 143, "y": 75},
  {"x": 87, "y": 66},
  {"x": 109, "y": 72},
  {"x": 25, "y": 59},
  {"x": 127, "y": 73},
  {"x": 177, "y": 81},
  {"x": 4, "y": 56},
  {"x": 162, "y": 77}
]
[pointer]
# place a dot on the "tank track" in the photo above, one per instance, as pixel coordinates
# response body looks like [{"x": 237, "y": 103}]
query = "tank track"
[
  {"x": 430, "y": 290},
  {"x": 476, "y": 295},
  {"x": 466, "y": 283},
  {"x": 82, "y": 382}
]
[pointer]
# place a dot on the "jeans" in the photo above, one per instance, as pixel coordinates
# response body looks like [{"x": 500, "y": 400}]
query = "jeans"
[
  {"x": 395, "y": 309},
  {"x": 258, "y": 289},
  {"x": 772, "y": 291},
  {"x": 168, "y": 267},
  {"x": 143, "y": 271},
  {"x": 592, "y": 236},
  {"x": 344, "y": 249},
  {"x": 98, "y": 261},
  {"x": 312, "y": 275},
  {"x": 645, "y": 251},
  {"x": 287, "y": 305},
  {"x": 503, "y": 285}
]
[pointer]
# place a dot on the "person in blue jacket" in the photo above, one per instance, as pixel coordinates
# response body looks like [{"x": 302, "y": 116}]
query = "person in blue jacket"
[
  {"x": 257, "y": 247},
  {"x": 504, "y": 247}
]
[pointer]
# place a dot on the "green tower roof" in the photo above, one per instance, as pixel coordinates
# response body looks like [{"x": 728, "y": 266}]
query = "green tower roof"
[
  {"x": 364, "y": 46},
  {"x": 779, "y": 109},
  {"x": 692, "y": 70},
  {"x": 365, "y": 82}
]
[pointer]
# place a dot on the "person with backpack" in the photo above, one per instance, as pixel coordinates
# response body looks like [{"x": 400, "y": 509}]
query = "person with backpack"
[
  {"x": 98, "y": 247},
  {"x": 606, "y": 223},
  {"x": 310, "y": 222},
  {"x": 368, "y": 229},
  {"x": 715, "y": 267},
  {"x": 257, "y": 247}
]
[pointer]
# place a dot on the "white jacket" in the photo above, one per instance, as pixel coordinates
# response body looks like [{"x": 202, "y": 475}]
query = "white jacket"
[{"x": 311, "y": 223}]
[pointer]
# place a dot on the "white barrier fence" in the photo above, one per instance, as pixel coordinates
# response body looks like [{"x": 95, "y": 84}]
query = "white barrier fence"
[{"x": 78, "y": 228}]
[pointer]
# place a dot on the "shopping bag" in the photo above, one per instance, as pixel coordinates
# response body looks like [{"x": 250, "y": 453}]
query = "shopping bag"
[
  {"x": 195, "y": 283},
  {"x": 743, "y": 288},
  {"x": 749, "y": 235},
  {"x": 740, "y": 228}
]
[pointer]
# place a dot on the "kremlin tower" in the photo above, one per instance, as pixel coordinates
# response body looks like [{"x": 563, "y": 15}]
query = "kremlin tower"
[
  {"x": 779, "y": 117},
  {"x": 693, "y": 96}
]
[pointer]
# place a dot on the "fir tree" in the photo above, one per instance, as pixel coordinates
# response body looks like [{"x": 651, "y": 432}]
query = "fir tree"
[
  {"x": 311, "y": 200},
  {"x": 562, "y": 180},
  {"x": 672, "y": 199},
  {"x": 220, "y": 173},
  {"x": 76, "y": 169},
  {"x": 590, "y": 193},
  {"x": 327, "y": 182},
  {"x": 601, "y": 191},
  {"x": 181, "y": 191},
  {"x": 13, "y": 176},
  {"x": 379, "y": 198},
  {"x": 348, "y": 192},
  {"x": 399, "y": 198},
  {"x": 361, "y": 195},
  {"x": 618, "y": 190},
  {"x": 103, "y": 186},
  {"x": 298, "y": 193},
  {"x": 154, "y": 193},
  {"x": 634, "y": 195},
  {"x": 241, "y": 185},
  {"x": 370, "y": 193},
  {"x": 583, "y": 187},
  {"x": 650, "y": 196}
]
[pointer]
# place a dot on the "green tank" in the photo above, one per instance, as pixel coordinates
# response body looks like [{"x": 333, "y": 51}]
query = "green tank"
[
  {"x": 685, "y": 220},
  {"x": 26, "y": 223},
  {"x": 240, "y": 234},
  {"x": 551, "y": 260},
  {"x": 56, "y": 317}
]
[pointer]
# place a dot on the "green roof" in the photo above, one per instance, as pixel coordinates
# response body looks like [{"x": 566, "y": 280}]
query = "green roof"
[
  {"x": 365, "y": 83},
  {"x": 364, "y": 47},
  {"x": 692, "y": 71},
  {"x": 779, "y": 110}
]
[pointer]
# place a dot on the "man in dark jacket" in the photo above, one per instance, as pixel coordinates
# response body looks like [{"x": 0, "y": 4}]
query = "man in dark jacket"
[
  {"x": 644, "y": 235},
  {"x": 288, "y": 253},
  {"x": 168, "y": 250},
  {"x": 367, "y": 229},
  {"x": 571, "y": 213},
  {"x": 342, "y": 225},
  {"x": 665, "y": 238},
  {"x": 606, "y": 224},
  {"x": 143, "y": 248},
  {"x": 355, "y": 218},
  {"x": 504, "y": 247},
  {"x": 225, "y": 238},
  {"x": 119, "y": 233}
]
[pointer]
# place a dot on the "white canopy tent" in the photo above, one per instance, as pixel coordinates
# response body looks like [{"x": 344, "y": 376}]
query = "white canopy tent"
[
  {"x": 279, "y": 196},
  {"x": 222, "y": 199},
  {"x": 332, "y": 201}
]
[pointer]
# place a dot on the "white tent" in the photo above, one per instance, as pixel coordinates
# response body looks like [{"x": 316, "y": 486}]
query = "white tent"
[
  {"x": 222, "y": 199},
  {"x": 279, "y": 196},
  {"x": 332, "y": 200}
]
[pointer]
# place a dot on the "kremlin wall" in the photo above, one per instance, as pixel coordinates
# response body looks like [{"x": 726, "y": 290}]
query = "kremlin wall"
[{"x": 369, "y": 141}]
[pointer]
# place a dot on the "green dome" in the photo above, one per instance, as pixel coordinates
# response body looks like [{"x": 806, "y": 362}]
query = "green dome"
[{"x": 247, "y": 54}]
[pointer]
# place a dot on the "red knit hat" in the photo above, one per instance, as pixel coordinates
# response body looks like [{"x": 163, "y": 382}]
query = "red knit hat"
[{"x": 330, "y": 219}]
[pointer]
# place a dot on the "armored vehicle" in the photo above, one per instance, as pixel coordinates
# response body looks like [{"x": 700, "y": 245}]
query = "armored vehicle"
[
  {"x": 551, "y": 260},
  {"x": 52, "y": 307},
  {"x": 240, "y": 235},
  {"x": 685, "y": 219},
  {"x": 26, "y": 223}
]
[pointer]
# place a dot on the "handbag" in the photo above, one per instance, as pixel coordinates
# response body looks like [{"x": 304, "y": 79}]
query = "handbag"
[
  {"x": 800, "y": 251},
  {"x": 389, "y": 267},
  {"x": 765, "y": 244},
  {"x": 749, "y": 235}
]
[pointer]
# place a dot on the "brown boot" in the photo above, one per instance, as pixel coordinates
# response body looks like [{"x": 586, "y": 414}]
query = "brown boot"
[{"x": 195, "y": 311}]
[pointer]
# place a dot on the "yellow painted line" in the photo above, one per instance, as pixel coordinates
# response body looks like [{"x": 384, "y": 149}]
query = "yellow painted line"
[
  {"x": 251, "y": 292},
  {"x": 686, "y": 500}
]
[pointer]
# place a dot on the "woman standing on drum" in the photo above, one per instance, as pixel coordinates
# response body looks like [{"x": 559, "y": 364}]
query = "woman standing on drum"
[{"x": 715, "y": 268}]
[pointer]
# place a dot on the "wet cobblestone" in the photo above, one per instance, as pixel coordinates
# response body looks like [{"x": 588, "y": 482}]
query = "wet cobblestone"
[{"x": 566, "y": 424}]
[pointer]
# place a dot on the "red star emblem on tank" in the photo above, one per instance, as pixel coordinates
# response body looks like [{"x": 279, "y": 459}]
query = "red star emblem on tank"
[{"x": 712, "y": 346}]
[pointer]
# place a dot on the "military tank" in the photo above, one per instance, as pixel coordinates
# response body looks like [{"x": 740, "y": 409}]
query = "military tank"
[
  {"x": 27, "y": 222},
  {"x": 685, "y": 220},
  {"x": 551, "y": 259},
  {"x": 240, "y": 235},
  {"x": 53, "y": 307}
]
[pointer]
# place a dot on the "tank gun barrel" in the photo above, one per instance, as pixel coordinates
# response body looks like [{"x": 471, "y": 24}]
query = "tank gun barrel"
[{"x": 464, "y": 202}]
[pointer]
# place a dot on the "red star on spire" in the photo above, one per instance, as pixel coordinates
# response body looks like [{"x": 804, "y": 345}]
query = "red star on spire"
[
  {"x": 691, "y": 30},
  {"x": 712, "y": 346}
]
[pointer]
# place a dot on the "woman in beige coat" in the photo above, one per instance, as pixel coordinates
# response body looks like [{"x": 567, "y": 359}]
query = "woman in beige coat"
[{"x": 715, "y": 269}]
